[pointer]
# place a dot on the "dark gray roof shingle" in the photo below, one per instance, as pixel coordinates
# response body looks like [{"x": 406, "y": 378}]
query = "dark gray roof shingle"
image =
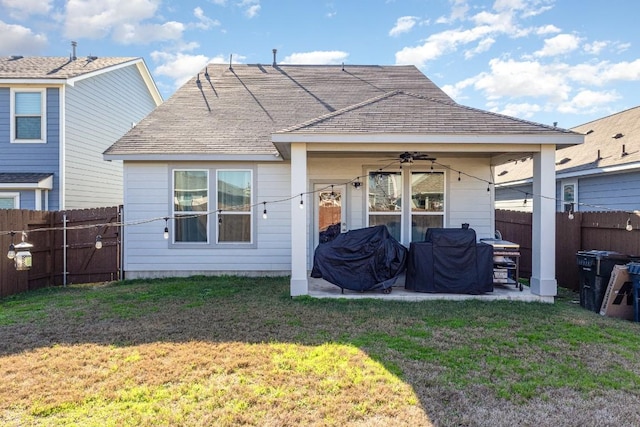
[{"x": 22, "y": 177}]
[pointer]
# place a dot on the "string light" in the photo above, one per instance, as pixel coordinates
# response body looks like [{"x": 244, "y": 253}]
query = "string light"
[
  {"x": 98, "y": 244},
  {"x": 264, "y": 212},
  {"x": 12, "y": 248},
  {"x": 355, "y": 182},
  {"x": 629, "y": 227},
  {"x": 301, "y": 202},
  {"x": 166, "y": 228},
  {"x": 571, "y": 211}
]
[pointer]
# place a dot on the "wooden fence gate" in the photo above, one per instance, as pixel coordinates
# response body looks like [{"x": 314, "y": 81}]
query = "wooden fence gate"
[{"x": 64, "y": 250}]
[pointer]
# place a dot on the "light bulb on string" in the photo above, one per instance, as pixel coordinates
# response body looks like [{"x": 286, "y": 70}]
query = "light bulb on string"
[
  {"x": 524, "y": 203},
  {"x": 12, "y": 248},
  {"x": 98, "y": 244},
  {"x": 333, "y": 193},
  {"x": 629, "y": 227},
  {"x": 301, "y": 205},
  {"x": 166, "y": 229},
  {"x": 264, "y": 212},
  {"x": 459, "y": 179},
  {"x": 571, "y": 211}
]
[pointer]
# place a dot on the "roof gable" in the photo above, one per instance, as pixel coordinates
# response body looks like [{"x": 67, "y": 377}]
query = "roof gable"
[{"x": 400, "y": 111}]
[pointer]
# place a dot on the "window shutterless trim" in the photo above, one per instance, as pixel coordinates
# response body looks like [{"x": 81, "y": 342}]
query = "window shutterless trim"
[
  {"x": 43, "y": 116},
  {"x": 176, "y": 214}
]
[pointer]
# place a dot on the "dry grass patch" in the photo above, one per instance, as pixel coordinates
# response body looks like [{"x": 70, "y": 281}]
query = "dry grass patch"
[{"x": 199, "y": 383}]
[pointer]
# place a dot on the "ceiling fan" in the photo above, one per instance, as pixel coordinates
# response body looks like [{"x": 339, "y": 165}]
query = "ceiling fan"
[{"x": 408, "y": 157}]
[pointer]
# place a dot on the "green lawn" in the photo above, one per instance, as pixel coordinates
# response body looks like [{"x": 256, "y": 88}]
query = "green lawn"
[{"x": 233, "y": 351}]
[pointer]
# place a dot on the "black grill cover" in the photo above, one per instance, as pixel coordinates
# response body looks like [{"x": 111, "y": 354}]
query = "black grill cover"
[
  {"x": 450, "y": 261},
  {"x": 360, "y": 260}
]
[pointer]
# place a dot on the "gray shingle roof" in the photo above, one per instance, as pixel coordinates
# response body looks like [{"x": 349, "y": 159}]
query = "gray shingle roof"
[
  {"x": 599, "y": 137},
  {"x": 22, "y": 177},
  {"x": 50, "y": 67},
  {"x": 226, "y": 111},
  {"x": 399, "y": 111}
]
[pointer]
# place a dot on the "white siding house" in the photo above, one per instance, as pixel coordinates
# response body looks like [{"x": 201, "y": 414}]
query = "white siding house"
[{"x": 309, "y": 146}]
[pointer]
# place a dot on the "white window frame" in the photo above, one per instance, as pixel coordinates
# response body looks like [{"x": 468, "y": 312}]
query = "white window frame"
[
  {"x": 406, "y": 213},
  {"x": 399, "y": 214},
  {"x": 573, "y": 183},
  {"x": 250, "y": 212},
  {"x": 43, "y": 116},
  {"x": 176, "y": 214},
  {"x": 12, "y": 195}
]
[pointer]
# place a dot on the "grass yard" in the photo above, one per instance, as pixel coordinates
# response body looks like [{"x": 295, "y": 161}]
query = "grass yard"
[{"x": 232, "y": 351}]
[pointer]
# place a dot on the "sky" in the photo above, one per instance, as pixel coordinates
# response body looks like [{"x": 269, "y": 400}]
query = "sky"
[{"x": 549, "y": 61}]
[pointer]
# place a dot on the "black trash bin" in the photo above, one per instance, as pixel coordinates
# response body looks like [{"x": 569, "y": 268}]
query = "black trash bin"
[{"x": 595, "y": 271}]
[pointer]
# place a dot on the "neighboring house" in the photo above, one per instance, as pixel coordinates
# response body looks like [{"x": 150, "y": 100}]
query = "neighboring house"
[
  {"x": 602, "y": 174},
  {"x": 251, "y": 141},
  {"x": 57, "y": 116}
]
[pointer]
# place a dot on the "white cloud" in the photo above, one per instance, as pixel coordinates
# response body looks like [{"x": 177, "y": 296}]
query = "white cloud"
[
  {"x": 459, "y": 9},
  {"x": 513, "y": 79},
  {"x": 179, "y": 66},
  {"x": 558, "y": 45},
  {"x": 588, "y": 101},
  {"x": 251, "y": 7},
  {"x": 219, "y": 2},
  {"x": 204, "y": 22},
  {"x": 439, "y": 44},
  {"x": 483, "y": 46},
  {"x": 22, "y": 9},
  {"x": 332, "y": 57},
  {"x": 19, "y": 40},
  {"x": 144, "y": 34},
  {"x": 522, "y": 110},
  {"x": 547, "y": 29},
  {"x": 596, "y": 47},
  {"x": 404, "y": 24},
  {"x": 101, "y": 18}
]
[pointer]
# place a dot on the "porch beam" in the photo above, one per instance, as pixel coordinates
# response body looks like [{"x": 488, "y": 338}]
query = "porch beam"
[
  {"x": 299, "y": 284},
  {"x": 543, "y": 275}
]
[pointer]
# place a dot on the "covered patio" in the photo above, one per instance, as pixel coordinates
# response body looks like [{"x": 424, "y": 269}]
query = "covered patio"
[{"x": 320, "y": 288}]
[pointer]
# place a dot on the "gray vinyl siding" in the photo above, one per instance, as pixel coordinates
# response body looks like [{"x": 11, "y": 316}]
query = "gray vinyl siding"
[
  {"x": 99, "y": 111},
  {"x": 27, "y": 157},
  {"x": 512, "y": 198},
  {"x": 148, "y": 200},
  {"x": 610, "y": 192},
  {"x": 147, "y": 196}
]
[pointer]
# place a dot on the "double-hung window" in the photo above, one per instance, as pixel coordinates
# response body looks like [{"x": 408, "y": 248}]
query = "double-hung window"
[
  {"x": 231, "y": 210},
  {"x": 190, "y": 205},
  {"x": 28, "y": 115},
  {"x": 406, "y": 222},
  {"x": 234, "y": 206}
]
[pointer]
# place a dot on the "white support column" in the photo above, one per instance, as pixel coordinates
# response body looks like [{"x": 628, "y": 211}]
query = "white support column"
[
  {"x": 299, "y": 245},
  {"x": 543, "y": 251}
]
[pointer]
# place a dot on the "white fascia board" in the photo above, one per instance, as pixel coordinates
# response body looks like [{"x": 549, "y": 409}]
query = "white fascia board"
[
  {"x": 401, "y": 138},
  {"x": 194, "y": 157},
  {"x": 151, "y": 84},
  {"x": 629, "y": 167},
  {"x": 515, "y": 183},
  {"x": 43, "y": 184},
  {"x": 32, "y": 82},
  {"x": 72, "y": 81}
]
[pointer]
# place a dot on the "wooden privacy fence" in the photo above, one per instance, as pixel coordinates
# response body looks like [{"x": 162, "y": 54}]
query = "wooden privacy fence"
[
  {"x": 63, "y": 250},
  {"x": 605, "y": 231}
]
